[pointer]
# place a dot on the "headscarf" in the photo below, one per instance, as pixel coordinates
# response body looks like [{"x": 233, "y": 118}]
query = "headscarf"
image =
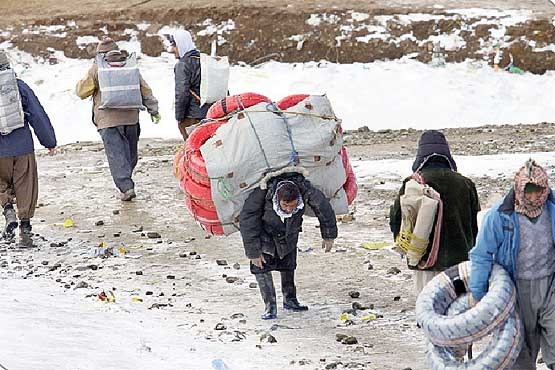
[
  {"x": 277, "y": 208},
  {"x": 530, "y": 173},
  {"x": 184, "y": 42}
]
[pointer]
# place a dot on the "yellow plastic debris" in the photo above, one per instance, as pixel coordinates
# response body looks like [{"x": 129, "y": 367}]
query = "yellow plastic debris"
[
  {"x": 68, "y": 223},
  {"x": 369, "y": 317},
  {"x": 374, "y": 246},
  {"x": 136, "y": 299},
  {"x": 102, "y": 244},
  {"x": 121, "y": 250},
  {"x": 344, "y": 317}
]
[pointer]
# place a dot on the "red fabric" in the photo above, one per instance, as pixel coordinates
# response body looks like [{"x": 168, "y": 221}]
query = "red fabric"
[
  {"x": 234, "y": 103},
  {"x": 350, "y": 186},
  {"x": 291, "y": 100}
]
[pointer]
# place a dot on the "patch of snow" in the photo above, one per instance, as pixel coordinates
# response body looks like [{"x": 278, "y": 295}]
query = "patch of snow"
[
  {"x": 359, "y": 17},
  {"x": 143, "y": 26},
  {"x": 85, "y": 40}
]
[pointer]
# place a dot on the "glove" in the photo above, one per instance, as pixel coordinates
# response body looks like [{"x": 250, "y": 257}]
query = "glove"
[
  {"x": 155, "y": 118},
  {"x": 327, "y": 244}
]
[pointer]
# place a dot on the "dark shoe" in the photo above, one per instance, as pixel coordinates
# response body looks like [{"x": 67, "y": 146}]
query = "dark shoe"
[
  {"x": 289, "y": 291},
  {"x": 11, "y": 222},
  {"x": 128, "y": 195},
  {"x": 25, "y": 234},
  {"x": 294, "y": 305},
  {"x": 268, "y": 293}
]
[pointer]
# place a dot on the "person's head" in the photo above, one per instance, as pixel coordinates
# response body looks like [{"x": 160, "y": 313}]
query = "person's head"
[
  {"x": 288, "y": 195},
  {"x": 181, "y": 42},
  {"x": 531, "y": 186},
  {"x": 4, "y": 61},
  {"x": 106, "y": 45},
  {"x": 433, "y": 145}
]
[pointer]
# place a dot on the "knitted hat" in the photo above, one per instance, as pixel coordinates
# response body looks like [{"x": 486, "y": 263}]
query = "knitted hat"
[
  {"x": 4, "y": 62},
  {"x": 105, "y": 45}
]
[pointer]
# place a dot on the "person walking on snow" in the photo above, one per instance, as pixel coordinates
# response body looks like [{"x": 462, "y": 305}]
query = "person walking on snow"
[
  {"x": 459, "y": 226},
  {"x": 118, "y": 127},
  {"x": 188, "y": 111},
  {"x": 519, "y": 234},
  {"x": 270, "y": 223},
  {"x": 19, "y": 109}
]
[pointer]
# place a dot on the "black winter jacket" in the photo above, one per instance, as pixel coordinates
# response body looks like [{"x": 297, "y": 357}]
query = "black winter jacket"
[
  {"x": 262, "y": 229},
  {"x": 187, "y": 79},
  {"x": 460, "y": 207}
]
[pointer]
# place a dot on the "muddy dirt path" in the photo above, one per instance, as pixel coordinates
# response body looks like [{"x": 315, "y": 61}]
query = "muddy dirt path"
[{"x": 172, "y": 265}]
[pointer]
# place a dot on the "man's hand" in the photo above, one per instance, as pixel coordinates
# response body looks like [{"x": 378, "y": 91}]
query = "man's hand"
[
  {"x": 327, "y": 245},
  {"x": 258, "y": 262},
  {"x": 51, "y": 151},
  {"x": 155, "y": 118}
]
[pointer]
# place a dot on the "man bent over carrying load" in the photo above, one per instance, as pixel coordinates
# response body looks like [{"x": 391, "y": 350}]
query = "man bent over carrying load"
[{"x": 270, "y": 222}]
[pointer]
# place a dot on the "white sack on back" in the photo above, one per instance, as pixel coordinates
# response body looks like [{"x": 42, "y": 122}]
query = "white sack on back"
[{"x": 214, "y": 78}]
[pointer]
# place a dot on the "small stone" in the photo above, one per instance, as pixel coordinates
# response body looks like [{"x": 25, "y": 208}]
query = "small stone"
[
  {"x": 183, "y": 254},
  {"x": 44, "y": 263},
  {"x": 231, "y": 279},
  {"x": 340, "y": 337},
  {"x": 253, "y": 285},
  {"x": 220, "y": 326},
  {"x": 236, "y": 266},
  {"x": 237, "y": 316},
  {"x": 221, "y": 262},
  {"x": 349, "y": 340},
  {"x": 148, "y": 292},
  {"x": 354, "y": 294},
  {"x": 358, "y": 306},
  {"x": 197, "y": 257},
  {"x": 193, "y": 253},
  {"x": 67, "y": 286},
  {"x": 117, "y": 235},
  {"x": 138, "y": 272},
  {"x": 99, "y": 223},
  {"x": 115, "y": 211},
  {"x": 81, "y": 285},
  {"x": 397, "y": 298},
  {"x": 268, "y": 338},
  {"x": 332, "y": 365},
  {"x": 153, "y": 235},
  {"x": 138, "y": 229},
  {"x": 208, "y": 236},
  {"x": 393, "y": 271},
  {"x": 370, "y": 266},
  {"x": 170, "y": 277}
]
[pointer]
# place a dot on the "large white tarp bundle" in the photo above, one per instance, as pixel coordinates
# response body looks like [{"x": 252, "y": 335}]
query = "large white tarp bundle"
[{"x": 259, "y": 141}]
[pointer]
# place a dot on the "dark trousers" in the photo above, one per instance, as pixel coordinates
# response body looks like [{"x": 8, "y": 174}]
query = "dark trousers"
[{"x": 120, "y": 145}]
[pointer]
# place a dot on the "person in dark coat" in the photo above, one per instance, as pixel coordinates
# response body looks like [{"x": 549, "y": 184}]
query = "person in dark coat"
[
  {"x": 270, "y": 223},
  {"x": 188, "y": 111},
  {"x": 459, "y": 227},
  {"x": 18, "y": 166}
]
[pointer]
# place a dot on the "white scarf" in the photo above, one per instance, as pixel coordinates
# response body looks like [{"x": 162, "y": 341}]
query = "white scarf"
[
  {"x": 184, "y": 42},
  {"x": 280, "y": 212}
]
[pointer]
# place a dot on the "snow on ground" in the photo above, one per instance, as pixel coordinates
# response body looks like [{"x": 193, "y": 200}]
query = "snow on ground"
[
  {"x": 380, "y": 95},
  {"x": 494, "y": 166}
]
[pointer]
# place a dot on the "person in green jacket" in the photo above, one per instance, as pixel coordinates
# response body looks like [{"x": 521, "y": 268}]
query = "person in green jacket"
[{"x": 459, "y": 226}]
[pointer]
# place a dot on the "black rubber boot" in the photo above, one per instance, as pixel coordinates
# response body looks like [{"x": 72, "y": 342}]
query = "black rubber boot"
[
  {"x": 11, "y": 221},
  {"x": 289, "y": 291},
  {"x": 268, "y": 293},
  {"x": 25, "y": 234}
]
